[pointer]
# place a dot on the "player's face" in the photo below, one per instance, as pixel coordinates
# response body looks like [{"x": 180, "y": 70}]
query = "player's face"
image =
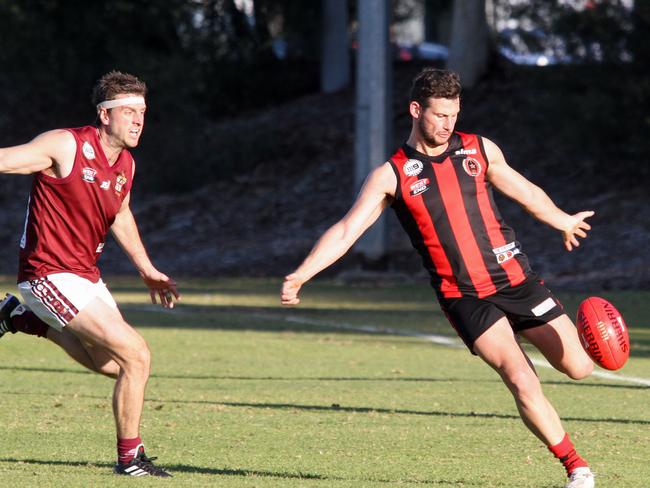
[
  {"x": 437, "y": 120},
  {"x": 125, "y": 123}
]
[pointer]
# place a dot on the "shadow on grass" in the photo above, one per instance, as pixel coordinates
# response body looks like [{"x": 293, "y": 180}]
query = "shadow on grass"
[
  {"x": 577, "y": 384},
  {"x": 434, "y": 413},
  {"x": 333, "y": 408},
  {"x": 263, "y": 318},
  {"x": 276, "y": 319},
  {"x": 30, "y": 369},
  {"x": 180, "y": 468},
  {"x": 184, "y": 468}
]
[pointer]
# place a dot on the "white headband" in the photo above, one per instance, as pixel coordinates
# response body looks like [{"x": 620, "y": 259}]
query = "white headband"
[{"x": 118, "y": 102}]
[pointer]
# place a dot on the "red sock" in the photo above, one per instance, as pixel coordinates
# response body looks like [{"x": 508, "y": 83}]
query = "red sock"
[
  {"x": 26, "y": 321},
  {"x": 567, "y": 454},
  {"x": 127, "y": 449}
]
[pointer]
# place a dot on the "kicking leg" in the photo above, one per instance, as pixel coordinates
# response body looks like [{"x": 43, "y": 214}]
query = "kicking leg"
[
  {"x": 558, "y": 341},
  {"x": 499, "y": 348}
]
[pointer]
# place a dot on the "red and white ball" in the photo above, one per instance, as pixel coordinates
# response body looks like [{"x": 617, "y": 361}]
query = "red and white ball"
[{"x": 603, "y": 333}]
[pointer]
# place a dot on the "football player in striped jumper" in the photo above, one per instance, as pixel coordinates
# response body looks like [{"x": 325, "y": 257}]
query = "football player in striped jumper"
[{"x": 440, "y": 185}]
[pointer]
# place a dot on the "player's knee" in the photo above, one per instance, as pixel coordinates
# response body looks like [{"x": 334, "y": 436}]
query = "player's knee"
[
  {"x": 580, "y": 370},
  {"x": 110, "y": 369},
  {"x": 523, "y": 383},
  {"x": 142, "y": 356},
  {"x": 137, "y": 356}
]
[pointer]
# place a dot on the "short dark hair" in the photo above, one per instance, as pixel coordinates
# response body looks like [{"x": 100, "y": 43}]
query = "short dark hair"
[
  {"x": 117, "y": 83},
  {"x": 436, "y": 83}
]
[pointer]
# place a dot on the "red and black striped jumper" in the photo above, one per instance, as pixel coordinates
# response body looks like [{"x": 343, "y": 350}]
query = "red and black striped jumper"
[{"x": 446, "y": 205}]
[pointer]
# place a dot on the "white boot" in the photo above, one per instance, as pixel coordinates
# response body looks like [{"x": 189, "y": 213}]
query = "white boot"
[{"x": 581, "y": 478}]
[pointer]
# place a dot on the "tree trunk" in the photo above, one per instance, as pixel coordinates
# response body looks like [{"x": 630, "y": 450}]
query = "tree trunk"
[{"x": 335, "y": 49}]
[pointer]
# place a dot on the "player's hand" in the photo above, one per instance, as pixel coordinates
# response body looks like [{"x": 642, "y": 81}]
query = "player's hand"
[
  {"x": 576, "y": 227},
  {"x": 161, "y": 286},
  {"x": 290, "y": 288}
]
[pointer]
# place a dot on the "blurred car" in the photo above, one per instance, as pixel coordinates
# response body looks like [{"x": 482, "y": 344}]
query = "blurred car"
[
  {"x": 425, "y": 51},
  {"x": 531, "y": 47}
]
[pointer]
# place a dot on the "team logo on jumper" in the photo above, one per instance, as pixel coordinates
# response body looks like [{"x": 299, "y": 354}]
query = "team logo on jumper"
[
  {"x": 465, "y": 151},
  {"x": 120, "y": 181},
  {"x": 504, "y": 253},
  {"x": 106, "y": 185},
  {"x": 420, "y": 186},
  {"x": 88, "y": 150},
  {"x": 412, "y": 167},
  {"x": 88, "y": 175},
  {"x": 472, "y": 167},
  {"x": 100, "y": 248}
]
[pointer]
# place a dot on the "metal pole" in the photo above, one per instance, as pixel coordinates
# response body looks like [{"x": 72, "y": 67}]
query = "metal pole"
[{"x": 372, "y": 109}]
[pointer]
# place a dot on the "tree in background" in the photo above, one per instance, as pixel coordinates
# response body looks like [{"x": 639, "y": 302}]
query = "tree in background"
[
  {"x": 579, "y": 32},
  {"x": 209, "y": 59},
  {"x": 469, "y": 44},
  {"x": 335, "y": 46}
]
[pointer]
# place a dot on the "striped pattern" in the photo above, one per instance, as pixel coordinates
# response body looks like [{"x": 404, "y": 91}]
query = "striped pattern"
[
  {"x": 135, "y": 471},
  {"x": 52, "y": 299},
  {"x": 449, "y": 213}
]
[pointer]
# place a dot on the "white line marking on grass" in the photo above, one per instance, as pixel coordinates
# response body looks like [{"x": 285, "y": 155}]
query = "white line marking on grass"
[
  {"x": 434, "y": 338},
  {"x": 442, "y": 340},
  {"x": 437, "y": 339}
]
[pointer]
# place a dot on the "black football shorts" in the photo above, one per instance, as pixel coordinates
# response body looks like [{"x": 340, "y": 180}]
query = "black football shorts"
[{"x": 527, "y": 305}]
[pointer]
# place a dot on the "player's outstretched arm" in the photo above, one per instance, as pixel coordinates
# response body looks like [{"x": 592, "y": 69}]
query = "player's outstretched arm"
[
  {"x": 124, "y": 229},
  {"x": 52, "y": 148},
  {"x": 534, "y": 199},
  {"x": 374, "y": 196}
]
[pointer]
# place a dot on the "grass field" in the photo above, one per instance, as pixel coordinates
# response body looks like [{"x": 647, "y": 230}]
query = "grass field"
[{"x": 245, "y": 393}]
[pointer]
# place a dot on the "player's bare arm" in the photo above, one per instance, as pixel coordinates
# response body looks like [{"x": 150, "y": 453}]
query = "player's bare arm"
[
  {"x": 532, "y": 198},
  {"x": 125, "y": 231},
  {"x": 374, "y": 197},
  {"x": 51, "y": 152}
]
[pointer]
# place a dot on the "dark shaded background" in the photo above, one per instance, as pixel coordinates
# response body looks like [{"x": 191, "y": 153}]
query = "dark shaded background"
[{"x": 244, "y": 163}]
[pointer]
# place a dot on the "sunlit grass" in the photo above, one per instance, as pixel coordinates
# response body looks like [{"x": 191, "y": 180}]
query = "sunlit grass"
[{"x": 245, "y": 393}]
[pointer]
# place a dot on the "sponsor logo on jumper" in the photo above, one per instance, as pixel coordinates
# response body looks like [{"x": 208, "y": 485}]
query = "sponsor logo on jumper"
[
  {"x": 105, "y": 185},
  {"x": 504, "y": 253},
  {"x": 100, "y": 247},
  {"x": 505, "y": 248},
  {"x": 88, "y": 175},
  {"x": 120, "y": 181},
  {"x": 420, "y": 186},
  {"x": 88, "y": 150},
  {"x": 412, "y": 167},
  {"x": 472, "y": 167},
  {"x": 466, "y": 151}
]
